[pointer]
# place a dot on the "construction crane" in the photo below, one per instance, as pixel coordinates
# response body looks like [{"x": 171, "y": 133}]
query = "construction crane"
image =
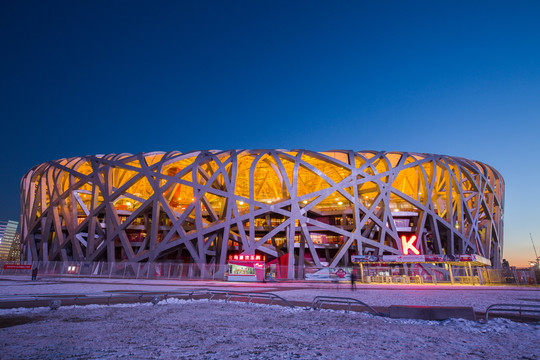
[{"x": 537, "y": 259}]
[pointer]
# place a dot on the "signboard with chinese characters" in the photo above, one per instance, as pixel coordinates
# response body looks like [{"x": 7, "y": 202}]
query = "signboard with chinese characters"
[
  {"x": 364, "y": 258},
  {"x": 433, "y": 258},
  {"x": 477, "y": 260},
  {"x": 403, "y": 258},
  {"x": 465, "y": 257}
]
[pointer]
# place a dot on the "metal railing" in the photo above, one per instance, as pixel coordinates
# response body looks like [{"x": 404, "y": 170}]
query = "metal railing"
[
  {"x": 250, "y": 295},
  {"x": 371, "y": 274},
  {"x": 318, "y": 301},
  {"x": 162, "y": 295},
  {"x": 228, "y": 294},
  {"x": 514, "y": 308}
]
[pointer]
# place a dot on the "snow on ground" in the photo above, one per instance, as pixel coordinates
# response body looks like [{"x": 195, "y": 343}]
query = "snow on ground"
[
  {"x": 204, "y": 329},
  {"x": 479, "y": 297}
]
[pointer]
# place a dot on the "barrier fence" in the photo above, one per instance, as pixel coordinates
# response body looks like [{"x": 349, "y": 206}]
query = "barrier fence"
[{"x": 370, "y": 274}]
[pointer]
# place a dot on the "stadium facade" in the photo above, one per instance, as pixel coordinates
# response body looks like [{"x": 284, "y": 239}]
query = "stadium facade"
[{"x": 298, "y": 207}]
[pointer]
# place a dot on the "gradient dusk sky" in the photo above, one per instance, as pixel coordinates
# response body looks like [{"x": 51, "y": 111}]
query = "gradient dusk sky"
[{"x": 444, "y": 77}]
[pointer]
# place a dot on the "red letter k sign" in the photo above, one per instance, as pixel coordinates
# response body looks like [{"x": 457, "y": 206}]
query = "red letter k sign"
[{"x": 408, "y": 245}]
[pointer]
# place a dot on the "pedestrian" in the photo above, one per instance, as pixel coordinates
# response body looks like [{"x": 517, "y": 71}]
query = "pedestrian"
[
  {"x": 335, "y": 280},
  {"x": 34, "y": 273},
  {"x": 353, "y": 281}
]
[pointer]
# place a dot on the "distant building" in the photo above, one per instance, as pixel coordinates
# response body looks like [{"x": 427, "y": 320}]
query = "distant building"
[
  {"x": 15, "y": 252},
  {"x": 9, "y": 241}
]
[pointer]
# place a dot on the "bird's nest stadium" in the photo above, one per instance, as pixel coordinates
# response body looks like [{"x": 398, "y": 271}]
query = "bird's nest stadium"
[{"x": 298, "y": 209}]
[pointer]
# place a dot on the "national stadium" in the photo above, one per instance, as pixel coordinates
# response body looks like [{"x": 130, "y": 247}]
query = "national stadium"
[{"x": 298, "y": 210}]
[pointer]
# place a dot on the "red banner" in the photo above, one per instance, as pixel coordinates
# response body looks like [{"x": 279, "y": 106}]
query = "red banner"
[{"x": 13, "y": 266}]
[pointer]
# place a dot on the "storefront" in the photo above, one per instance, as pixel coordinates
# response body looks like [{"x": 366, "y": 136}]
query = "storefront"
[
  {"x": 461, "y": 269},
  {"x": 246, "y": 268}
]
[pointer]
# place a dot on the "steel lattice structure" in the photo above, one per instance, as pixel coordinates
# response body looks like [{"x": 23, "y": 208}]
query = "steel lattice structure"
[{"x": 309, "y": 207}]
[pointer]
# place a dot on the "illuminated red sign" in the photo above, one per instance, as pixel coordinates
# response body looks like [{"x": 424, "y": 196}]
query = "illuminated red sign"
[
  {"x": 409, "y": 245},
  {"x": 14, "y": 266},
  {"x": 247, "y": 257}
]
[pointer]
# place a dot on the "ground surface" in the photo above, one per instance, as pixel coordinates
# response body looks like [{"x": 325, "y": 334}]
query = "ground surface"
[
  {"x": 217, "y": 330},
  {"x": 202, "y": 329},
  {"x": 479, "y": 297}
]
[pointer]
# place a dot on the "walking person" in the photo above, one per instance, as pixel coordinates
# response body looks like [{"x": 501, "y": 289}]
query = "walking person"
[
  {"x": 353, "y": 281},
  {"x": 34, "y": 273}
]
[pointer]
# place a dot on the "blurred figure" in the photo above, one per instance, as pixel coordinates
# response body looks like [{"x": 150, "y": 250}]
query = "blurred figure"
[
  {"x": 34, "y": 273},
  {"x": 353, "y": 281}
]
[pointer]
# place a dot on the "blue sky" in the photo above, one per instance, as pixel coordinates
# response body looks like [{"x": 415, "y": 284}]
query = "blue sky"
[{"x": 456, "y": 78}]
